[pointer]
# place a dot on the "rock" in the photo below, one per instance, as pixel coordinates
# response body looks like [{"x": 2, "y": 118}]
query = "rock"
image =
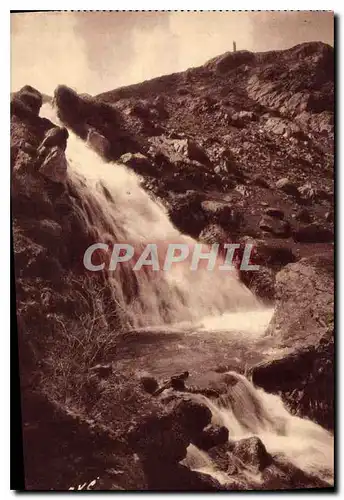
[
  {"x": 252, "y": 452},
  {"x": 283, "y": 127},
  {"x": 187, "y": 214},
  {"x": 98, "y": 143},
  {"x": 221, "y": 214},
  {"x": 191, "y": 150},
  {"x": 177, "y": 477},
  {"x": 275, "y": 212},
  {"x": 29, "y": 98},
  {"x": 287, "y": 186},
  {"x": 303, "y": 215},
  {"x": 313, "y": 233},
  {"x": 56, "y": 136},
  {"x": 304, "y": 303},
  {"x": 261, "y": 282},
  {"x": 102, "y": 371},
  {"x": 213, "y": 233},
  {"x": 149, "y": 384},
  {"x": 54, "y": 166},
  {"x": 160, "y": 438},
  {"x": 193, "y": 415},
  {"x": 259, "y": 180},
  {"x": 212, "y": 435},
  {"x": 302, "y": 378},
  {"x": 276, "y": 226},
  {"x": 138, "y": 162}
]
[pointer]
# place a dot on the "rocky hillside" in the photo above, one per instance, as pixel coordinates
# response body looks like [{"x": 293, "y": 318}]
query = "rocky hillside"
[{"x": 240, "y": 149}]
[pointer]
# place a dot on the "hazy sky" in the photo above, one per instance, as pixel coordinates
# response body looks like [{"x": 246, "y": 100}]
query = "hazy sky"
[{"x": 98, "y": 51}]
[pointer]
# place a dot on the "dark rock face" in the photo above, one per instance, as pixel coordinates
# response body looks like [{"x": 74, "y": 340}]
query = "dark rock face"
[
  {"x": 93, "y": 119},
  {"x": 27, "y": 100},
  {"x": 252, "y": 451},
  {"x": 212, "y": 435},
  {"x": 304, "y": 374},
  {"x": 313, "y": 233}
]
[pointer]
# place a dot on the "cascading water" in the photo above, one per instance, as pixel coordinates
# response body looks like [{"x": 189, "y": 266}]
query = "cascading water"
[
  {"x": 120, "y": 211},
  {"x": 247, "y": 411},
  {"x": 117, "y": 209}
]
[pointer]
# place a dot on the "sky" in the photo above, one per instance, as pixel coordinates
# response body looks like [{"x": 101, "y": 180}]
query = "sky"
[{"x": 98, "y": 51}]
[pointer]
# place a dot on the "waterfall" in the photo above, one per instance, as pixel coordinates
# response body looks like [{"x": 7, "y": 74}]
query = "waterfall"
[
  {"x": 119, "y": 210},
  {"x": 247, "y": 411}
]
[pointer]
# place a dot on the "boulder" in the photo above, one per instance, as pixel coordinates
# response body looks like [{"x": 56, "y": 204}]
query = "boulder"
[
  {"x": 28, "y": 98},
  {"x": 287, "y": 186},
  {"x": 138, "y": 162},
  {"x": 275, "y": 212},
  {"x": 192, "y": 415},
  {"x": 56, "y": 136},
  {"x": 102, "y": 370},
  {"x": 177, "y": 477},
  {"x": 221, "y": 214},
  {"x": 313, "y": 233},
  {"x": 261, "y": 282},
  {"x": 213, "y": 233},
  {"x": 212, "y": 435},
  {"x": 302, "y": 328},
  {"x": 149, "y": 383},
  {"x": 275, "y": 226},
  {"x": 252, "y": 452},
  {"x": 283, "y": 127},
  {"x": 329, "y": 216},
  {"x": 54, "y": 166},
  {"x": 186, "y": 213},
  {"x": 98, "y": 143}
]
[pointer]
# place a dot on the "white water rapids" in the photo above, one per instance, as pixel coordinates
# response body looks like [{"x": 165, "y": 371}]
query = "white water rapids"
[{"x": 117, "y": 209}]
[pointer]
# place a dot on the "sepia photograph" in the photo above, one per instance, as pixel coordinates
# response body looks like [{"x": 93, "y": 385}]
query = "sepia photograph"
[{"x": 173, "y": 239}]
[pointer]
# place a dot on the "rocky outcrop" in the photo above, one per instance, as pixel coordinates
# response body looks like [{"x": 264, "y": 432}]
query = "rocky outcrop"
[
  {"x": 302, "y": 327},
  {"x": 161, "y": 442}
]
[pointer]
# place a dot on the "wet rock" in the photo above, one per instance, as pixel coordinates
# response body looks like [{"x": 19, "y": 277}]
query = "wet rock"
[
  {"x": 102, "y": 371},
  {"x": 98, "y": 143},
  {"x": 275, "y": 226},
  {"x": 287, "y": 186},
  {"x": 212, "y": 435},
  {"x": 149, "y": 384},
  {"x": 275, "y": 212},
  {"x": 283, "y": 127},
  {"x": 159, "y": 438},
  {"x": 177, "y": 477},
  {"x": 54, "y": 166},
  {"x": 313, "y": 233},
  {"x": 252, "y": 452},
  {"x": 56, "y": 136},
  {"x": 222, "y": 215}
]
